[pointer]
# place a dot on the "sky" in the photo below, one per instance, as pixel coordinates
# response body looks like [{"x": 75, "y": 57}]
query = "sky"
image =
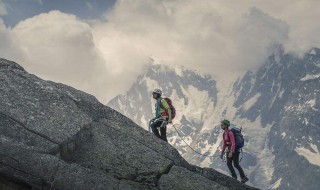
[{"x": 101, "y": 46}]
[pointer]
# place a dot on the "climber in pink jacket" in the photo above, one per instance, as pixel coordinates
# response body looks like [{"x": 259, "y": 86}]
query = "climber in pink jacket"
[{"x": 229, "y": 147}]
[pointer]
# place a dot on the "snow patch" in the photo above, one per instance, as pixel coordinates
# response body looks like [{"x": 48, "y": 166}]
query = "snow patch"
[
  {"x": 312, "y": 102},
  {"x": 314, "y": 147},
  {"x": 313, "y": 52},
  {"x": 312, "y": 157},
  {"x": 277, "y": 57},
  {"x": 225, "y": 100},
  {"x": 198, "y": 103},
  {"x": 121, "y": 106},
  {"x": 151, "y": 84},
  {"x": 179, "y": 70},
  {"x": 281, "y": 93},
  {"x": 310, "y": 77},
  {"x": 140, "y": 96},
  {"x": 249, "y": 103},
  {"x": 276, "y": 184}
]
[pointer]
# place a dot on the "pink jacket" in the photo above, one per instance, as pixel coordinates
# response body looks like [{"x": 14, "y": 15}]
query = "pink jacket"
[{"x": 227, "y": 142}]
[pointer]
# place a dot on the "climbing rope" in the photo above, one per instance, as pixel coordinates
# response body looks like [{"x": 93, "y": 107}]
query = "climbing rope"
[
  {"x": 190, "y": 146},
  {"x": 165, "y": 122}
]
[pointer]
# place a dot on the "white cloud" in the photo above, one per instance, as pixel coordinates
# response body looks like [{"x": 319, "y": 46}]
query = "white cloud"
[
  {"x": 60, "y": 47},
  {"x": 3, "y": 8},
  {"x": 9, "y": 46},
  {"x": 213, "y": 36},
  {"x": 302, "y": 18}
]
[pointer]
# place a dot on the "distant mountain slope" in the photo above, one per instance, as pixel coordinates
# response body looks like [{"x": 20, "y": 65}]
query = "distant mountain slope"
[{"x": 277, "y": 106}]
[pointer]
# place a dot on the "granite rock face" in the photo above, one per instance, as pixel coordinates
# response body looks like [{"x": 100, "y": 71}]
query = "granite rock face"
[{"x": 53, "y": 136}]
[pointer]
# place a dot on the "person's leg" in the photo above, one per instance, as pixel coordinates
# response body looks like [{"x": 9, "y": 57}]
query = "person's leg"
[
  {"x": 229, "y": 164},
  {"x": 163, "y": 132},
  {"x": 154, "y": 127},
  {"x": 237, "y": 165}
]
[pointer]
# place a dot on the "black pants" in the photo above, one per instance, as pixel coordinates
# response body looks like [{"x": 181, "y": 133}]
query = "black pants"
[
  {"x": 235, "y": 159},
  {"x": 163, "y": 130}
]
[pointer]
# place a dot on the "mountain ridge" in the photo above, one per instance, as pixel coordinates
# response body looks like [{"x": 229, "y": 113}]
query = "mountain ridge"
[{"x": 284, "y": 92}]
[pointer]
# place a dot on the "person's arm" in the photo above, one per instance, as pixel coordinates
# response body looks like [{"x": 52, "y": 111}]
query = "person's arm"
[
  {"x": 233, "y": 143},
  {"x": 224, "y": 146}
]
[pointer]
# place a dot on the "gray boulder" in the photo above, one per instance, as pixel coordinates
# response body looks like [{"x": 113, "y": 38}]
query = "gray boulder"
[{"x": 53, "y": 136}]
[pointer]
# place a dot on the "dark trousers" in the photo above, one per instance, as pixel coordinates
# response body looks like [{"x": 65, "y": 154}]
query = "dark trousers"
[
  {"x": 235, "y": 159},
  {"x": 163, "y": 130}
]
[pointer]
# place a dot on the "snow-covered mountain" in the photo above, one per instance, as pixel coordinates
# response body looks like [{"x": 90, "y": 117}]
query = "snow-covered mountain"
[{"x": 277, "y": 107}]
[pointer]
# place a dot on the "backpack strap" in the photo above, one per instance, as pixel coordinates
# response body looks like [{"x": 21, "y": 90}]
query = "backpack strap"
[
  {"x": 158, "y": 105},
  {"x": 161, "y": 103}
]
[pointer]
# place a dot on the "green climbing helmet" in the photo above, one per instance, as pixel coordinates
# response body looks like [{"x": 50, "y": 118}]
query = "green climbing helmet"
[{"x": 225, "y": 122}]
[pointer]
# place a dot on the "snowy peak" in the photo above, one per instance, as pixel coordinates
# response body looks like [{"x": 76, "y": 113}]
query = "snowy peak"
[
  {"x": 189, "y": 91},
  {"x": 283, "y": 95},
  {"x": 277, "y": 106}
]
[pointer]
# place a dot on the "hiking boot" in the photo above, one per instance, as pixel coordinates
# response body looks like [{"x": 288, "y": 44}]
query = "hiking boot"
[{"x": 245, "y": 179}]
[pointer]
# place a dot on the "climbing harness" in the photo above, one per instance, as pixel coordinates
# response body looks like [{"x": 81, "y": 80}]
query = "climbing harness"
[
  {"x": 164, "y": 123},
  {"x": 226, "y": 152}
]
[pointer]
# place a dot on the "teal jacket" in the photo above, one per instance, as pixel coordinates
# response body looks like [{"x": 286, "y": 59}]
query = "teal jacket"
[{"x": 161, "y": 110}]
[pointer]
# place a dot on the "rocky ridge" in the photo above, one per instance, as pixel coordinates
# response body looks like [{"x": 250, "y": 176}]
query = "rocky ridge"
[{"x": 53, "y": 136}]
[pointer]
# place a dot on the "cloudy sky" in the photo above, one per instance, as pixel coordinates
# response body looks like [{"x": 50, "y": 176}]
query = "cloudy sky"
[{"x": 101, "y": 46}]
